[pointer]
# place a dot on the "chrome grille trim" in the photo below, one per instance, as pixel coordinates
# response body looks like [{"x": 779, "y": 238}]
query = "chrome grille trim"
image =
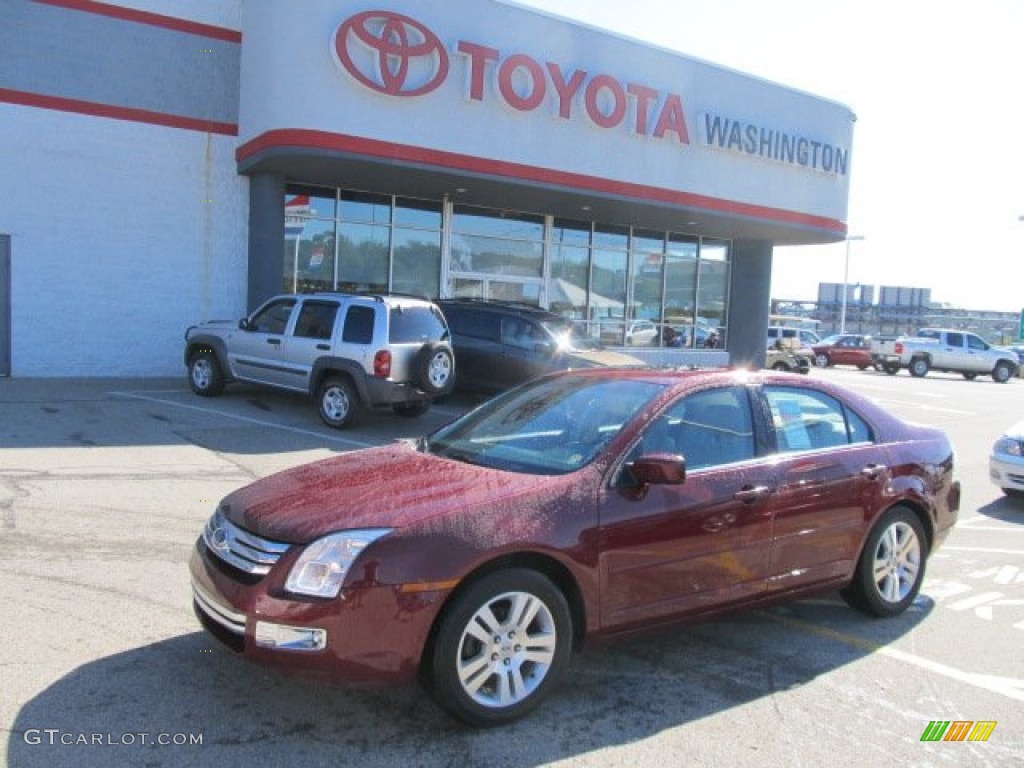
[
  {"x": 231, "y": 621},
  {"x": 239, "y": 548}
]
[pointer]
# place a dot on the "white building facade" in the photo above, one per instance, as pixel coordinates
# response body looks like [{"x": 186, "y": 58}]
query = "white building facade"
[{"x": 169, "y": 161}]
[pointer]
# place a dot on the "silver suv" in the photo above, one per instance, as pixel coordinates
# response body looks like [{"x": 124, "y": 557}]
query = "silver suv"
[{"x": 349, "y": 352}]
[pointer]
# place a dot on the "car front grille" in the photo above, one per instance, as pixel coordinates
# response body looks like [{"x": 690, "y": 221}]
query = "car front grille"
[{"x": 240, "y": 549}]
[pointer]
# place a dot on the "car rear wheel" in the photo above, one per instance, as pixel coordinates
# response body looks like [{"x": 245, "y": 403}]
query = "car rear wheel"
[
  {"x": 891, "y": 567},
  {"x": 822, "y": 361},
  {"x": 1002, "y": 373},
  {"x": 919, "y": 367},
  {"x": 338, "y": 403},
  {"x": 435, "y": 370},
  {"x": 891, "y": 368},
  {"x": 204, "y": 375},
  {"x": 501, "y": 647}
]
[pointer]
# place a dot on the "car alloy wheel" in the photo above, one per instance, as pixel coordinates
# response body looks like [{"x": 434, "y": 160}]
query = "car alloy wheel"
[
  {"x": 339, "y": 404},
  {"x": 501, "y": 646},
  {"x": 204, "y": 375},
  {"x": 891, "y": 567}
]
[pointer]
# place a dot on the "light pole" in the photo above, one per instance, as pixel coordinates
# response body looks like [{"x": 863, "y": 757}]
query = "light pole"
[{"x": 846, "y": 281}]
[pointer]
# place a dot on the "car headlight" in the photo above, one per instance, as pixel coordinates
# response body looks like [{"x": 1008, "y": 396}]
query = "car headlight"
[
  {"x": 1008, "y": 446},
  {"x": 323, "y": 566}
]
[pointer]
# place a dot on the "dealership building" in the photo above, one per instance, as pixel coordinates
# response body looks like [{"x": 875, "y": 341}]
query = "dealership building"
[{"x": 171, "y": 161}]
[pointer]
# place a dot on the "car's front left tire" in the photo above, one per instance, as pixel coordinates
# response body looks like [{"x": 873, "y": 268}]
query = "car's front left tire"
[
  {"x": 891, "y": 567},
  {"x": 204, "y": 375},
  {"x": 501, "y": 647}
]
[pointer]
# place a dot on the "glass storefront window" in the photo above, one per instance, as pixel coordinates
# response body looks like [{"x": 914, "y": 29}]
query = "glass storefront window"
[
  {"x": 361, "y": 206},
  {"x": 309, "y": 255},
  {"x": 492, "y": 223},
  {"x": 422, "y": 214},
  {"x": 363, "y": 258},
  {"x": 713, "y": 284},
  {"x": 648, "y": 263},
  {"x": 315, "y": 202},
  {"x": 570, "y": 269},
  {"x": 608, "y": 294},
  {"x": 681, "y": 290},
  {"x": 417, "y": 262}
]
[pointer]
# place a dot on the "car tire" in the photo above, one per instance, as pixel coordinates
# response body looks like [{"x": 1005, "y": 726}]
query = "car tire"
[
  {"x": 338, "y": 403},
  {"x": 863, "y": 367},
  {"x": 501, "y": 647},
  {"x": 891, "y": 567},
  {"x": 435, "y": 370},
  {"x": 891, "y": 368},
  {"x": 204, "y": 375},
  {"x": 822, "y": 361},
  {"x": 919, "y": 367},
  {"x": 971, "y": 376},
  {"x": 411, "y": 410},
  {"x": 1002, "y": 373}
]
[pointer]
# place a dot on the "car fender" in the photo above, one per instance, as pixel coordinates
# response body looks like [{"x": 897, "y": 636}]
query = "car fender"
[
  {"x": 205, "y": 341},
  {"x": 325, "y": 366}
]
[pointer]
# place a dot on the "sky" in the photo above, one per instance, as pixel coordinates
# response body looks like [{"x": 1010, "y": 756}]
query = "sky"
[{"x": 937, "y": 165}]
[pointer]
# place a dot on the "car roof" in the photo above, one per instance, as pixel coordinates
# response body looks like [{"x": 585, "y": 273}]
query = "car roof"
[{"x": 491, "y": 305}]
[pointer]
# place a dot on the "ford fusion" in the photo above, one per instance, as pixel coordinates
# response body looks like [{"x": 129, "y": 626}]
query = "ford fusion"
[{"x": 581, "y": 506}]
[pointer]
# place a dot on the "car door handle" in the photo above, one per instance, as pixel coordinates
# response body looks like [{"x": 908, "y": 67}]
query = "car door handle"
[
  {"x": 751, "y": 493},
  {"x": 325, "y": 347},
  {"x": 275, "y": 342},
  {"x": 874, "y": 471}
]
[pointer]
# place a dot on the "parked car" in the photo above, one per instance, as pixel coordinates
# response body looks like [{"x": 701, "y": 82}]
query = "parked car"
[
  {"x": 1006, "y": 462},
  {"x": 499, "y": 345},
  {"x": 582, "y": 505},
  {"x": 349, "y": 352},
  {"x": 802, "y": 338},
  {"x": 948, "y": 350},
  {"x": 843, "y": 349},
  {"x": 780, "y": 358},
  {"x": 641, "y": 333}
]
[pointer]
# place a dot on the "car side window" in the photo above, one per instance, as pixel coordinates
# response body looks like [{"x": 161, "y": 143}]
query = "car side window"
[
  {"x": 273, "y": 318},
  {"x": 973, "y": 342},
  {"x": 316, "y": 320},
  {"x": 954, "y": 339},
  {"x": 707, "y": 428},
  {"x": 808, "y": 420},
  {"x": 358, "y": 325}
]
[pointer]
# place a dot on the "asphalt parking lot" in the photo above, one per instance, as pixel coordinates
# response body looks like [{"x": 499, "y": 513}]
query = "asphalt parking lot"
[{"x": 104, "y": 485}]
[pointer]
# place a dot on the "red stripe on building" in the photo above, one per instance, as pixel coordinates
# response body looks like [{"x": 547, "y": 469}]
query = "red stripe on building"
[
  {"x": 96, "y": 109},
  {"x": 333, "y": 142},
  {"x": 152, "y": 19}
]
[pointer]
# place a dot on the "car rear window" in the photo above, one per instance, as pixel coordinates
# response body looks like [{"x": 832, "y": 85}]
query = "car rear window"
[{"x": 413, "y": 324}]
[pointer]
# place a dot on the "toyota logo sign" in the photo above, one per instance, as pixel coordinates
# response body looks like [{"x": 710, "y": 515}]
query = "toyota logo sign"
[{"x": 391, "y": 53}]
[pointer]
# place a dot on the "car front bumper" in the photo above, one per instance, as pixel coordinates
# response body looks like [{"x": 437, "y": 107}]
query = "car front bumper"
[
  {"x": 370, "y": 632},
  {"x": 1007, "y": 471}
]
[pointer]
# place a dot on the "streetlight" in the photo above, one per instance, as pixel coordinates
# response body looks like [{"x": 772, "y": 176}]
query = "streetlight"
[{"x": 846, "y": 280}]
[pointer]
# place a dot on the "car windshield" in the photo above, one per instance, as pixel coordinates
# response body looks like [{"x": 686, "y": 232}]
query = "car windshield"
[
  {"x": 548, "y": 427},
  {"x": 569, "y": 336}
]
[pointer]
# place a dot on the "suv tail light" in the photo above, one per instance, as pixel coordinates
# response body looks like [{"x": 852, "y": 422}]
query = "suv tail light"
[
  {"x": 382, "y": 364},
  {"x": 899, "y": 348}
]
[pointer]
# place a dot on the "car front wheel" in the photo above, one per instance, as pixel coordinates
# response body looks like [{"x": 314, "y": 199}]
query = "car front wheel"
[
  {"x": 204, "y": 375},
  {"x": 1002, "y": 373},
  {"x": 501, "y": 647},
  {"x": 891, "y": 567},
  {"x": 822, "y": 361}
]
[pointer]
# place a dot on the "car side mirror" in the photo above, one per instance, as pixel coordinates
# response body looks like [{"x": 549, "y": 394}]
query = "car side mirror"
[
  {"x": 658, "y": 469},
  {"x": 243, "y": 324}
]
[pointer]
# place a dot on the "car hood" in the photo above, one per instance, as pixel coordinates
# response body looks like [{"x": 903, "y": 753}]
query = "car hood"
[
  {"x": 215, "y": 325},
  {"x": 393, "y": 486},
  {"x": 596, "y": 358}
]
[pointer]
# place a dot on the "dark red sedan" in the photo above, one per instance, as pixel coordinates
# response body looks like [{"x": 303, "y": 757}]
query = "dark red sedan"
[
  {"x": 844, "y": 349},
  {"x": 582, "y": 505}
]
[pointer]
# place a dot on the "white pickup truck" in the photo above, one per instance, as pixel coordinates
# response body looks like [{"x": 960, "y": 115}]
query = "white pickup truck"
[{"x": 944, "y": 350}]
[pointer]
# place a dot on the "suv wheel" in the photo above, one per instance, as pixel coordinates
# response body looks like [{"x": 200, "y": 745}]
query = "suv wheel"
[
  {"x": 1002, "y": 372},
  {"x": 919, "y": 367},
  {"x": 204, "y": 375},
  {"x": 338, "y": 403},
  {"x": 435, "y": 370}
]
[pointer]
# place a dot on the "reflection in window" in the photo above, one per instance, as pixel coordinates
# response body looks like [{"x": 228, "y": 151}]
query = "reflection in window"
[
  {"x": 806, "y": 420},
  {"x": 417, "y": 262},
  {"x": 681, "y": 290},
  {"x": 363, "y": 258}
]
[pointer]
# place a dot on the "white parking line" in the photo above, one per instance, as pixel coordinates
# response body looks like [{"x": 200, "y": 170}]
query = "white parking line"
[
  {"x": 246, "y": 419},
  {"x": 1010, "y": 687}
]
